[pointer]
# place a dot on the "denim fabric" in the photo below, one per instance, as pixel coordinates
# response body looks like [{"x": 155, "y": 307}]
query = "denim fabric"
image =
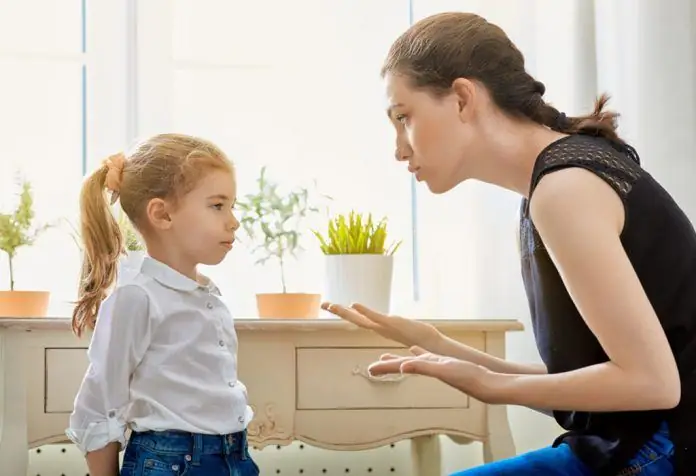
[
  {"x": 654, "y": 459},
  {"x": 175, "y": 453}
]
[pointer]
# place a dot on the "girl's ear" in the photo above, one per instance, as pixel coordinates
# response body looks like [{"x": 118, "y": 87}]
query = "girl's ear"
[{"x": 158, "y": 215}]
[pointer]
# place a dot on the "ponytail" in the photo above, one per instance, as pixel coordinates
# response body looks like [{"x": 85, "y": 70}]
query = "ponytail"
[
  {"x": 103, "y": 244},
  {"x": 599, "y": 123}
]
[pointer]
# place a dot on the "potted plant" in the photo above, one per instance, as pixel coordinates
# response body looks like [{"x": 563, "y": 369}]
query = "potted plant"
[
  {"x": 133, "y": 252},
  {"x": 17, "y": 230},
  {"x": 359, "y": 265},
  {"x": 274, "y": 219}
]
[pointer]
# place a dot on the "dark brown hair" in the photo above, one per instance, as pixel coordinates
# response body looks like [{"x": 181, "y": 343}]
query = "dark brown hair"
[
  {"x": 437, "y": 50},
  {"x": 165, "y": 166}
]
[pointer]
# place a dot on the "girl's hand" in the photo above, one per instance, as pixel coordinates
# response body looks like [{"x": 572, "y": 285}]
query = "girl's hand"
[
  {"x": 474, "y": 380},
  {"x": 408, "y": 332}
]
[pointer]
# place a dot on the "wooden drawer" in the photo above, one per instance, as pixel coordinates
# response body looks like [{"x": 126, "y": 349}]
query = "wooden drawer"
[
  {"x": 337, "y": 378},
  {"x": 65, "y": 369}
]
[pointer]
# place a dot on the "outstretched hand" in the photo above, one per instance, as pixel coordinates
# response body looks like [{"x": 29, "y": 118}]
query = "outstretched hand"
[
  {"x": 408, "y": 332},
  {"x": 472, "y": 379}
]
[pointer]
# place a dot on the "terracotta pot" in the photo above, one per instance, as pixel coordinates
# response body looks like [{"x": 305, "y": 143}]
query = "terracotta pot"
[
  {"x": 24, "y": 303},
  {"x": 288, "y": 305}
]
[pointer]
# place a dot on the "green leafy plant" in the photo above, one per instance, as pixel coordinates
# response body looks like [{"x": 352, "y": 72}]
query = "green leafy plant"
[
  {"x": 131, "y": 240},
  {"x": 17, "y": 229},
  {"x": 274, "y": 218},
  {"x": 356, "y": 234}
]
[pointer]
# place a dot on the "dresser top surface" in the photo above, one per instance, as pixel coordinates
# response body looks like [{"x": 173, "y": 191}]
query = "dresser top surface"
[{"x": 257, "y": 324}]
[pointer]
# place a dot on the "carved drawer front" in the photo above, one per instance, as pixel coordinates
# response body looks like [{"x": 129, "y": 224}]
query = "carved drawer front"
[
  {"x": 65, "y": 369},
  {"x": 337, "y": 378}
]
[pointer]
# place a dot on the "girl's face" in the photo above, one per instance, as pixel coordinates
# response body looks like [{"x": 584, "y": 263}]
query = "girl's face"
[{"x": 433, "y": 134}]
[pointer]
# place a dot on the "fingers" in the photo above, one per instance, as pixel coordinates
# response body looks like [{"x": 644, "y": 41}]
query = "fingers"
[
  {"x": 384, "y": 367},
  {"x": 429, "y": 368},
  {"x": 390, "y": 357},
  {"x": 348, "y": 314},
  {"x": 375, "y": 316},
  {"x": 415, "y": 350}
]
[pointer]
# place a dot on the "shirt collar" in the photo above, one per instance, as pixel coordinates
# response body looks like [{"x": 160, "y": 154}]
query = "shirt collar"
[{"x": 171, "y": 278}]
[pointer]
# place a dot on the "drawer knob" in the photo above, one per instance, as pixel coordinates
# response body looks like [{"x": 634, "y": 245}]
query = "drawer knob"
[{"x": 389, "y": 378}]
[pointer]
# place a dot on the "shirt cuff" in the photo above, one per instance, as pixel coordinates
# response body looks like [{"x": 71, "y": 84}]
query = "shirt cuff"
[{"x": 98, "y": 435}]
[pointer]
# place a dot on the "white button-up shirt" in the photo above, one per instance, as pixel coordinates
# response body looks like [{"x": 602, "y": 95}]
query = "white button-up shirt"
[{"x": 163, "y": 356}]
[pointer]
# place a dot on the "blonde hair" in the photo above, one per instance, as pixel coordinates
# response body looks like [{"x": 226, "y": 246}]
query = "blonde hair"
[{"x": 166, "y": 166}]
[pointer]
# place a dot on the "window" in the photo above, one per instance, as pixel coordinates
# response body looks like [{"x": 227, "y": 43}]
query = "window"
[
  {"x": 293, "y": 86},
  {"x": 60, "y": 106}
]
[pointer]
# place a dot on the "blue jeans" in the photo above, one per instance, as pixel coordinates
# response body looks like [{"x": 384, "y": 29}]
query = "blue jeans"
[
  {"x": 177, "y": 453},
  {"x": 654, "y": 459}
]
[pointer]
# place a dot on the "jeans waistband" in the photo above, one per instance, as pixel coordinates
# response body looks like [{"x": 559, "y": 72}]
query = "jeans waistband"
[{"x": 192, "y": 444}]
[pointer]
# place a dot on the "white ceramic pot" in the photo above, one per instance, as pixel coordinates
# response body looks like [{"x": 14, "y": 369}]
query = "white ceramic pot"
[{"x": 364, "y": 279}]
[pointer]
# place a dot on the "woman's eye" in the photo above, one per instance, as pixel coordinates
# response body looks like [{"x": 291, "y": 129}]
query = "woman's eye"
[
  {"x": 400, "y": 118},
  {"x": 218, "y": 206}
]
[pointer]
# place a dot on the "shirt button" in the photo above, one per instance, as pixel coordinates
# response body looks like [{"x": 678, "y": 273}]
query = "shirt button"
[
  {"x": 209, "y": 305},
  {"x": 241, "y": 419},
  {"x": 222, "y": 343},
  {"x": 231, "y": 384},
  {"x": 112, "y": 413},
  {"x": 187, "y": 457},
  {"x": 175, "y": 467}
]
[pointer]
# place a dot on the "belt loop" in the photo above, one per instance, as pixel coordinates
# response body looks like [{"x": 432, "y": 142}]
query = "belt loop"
[
  {"x": 243, "y": 448},
  {"x": 197, "y": 449}
]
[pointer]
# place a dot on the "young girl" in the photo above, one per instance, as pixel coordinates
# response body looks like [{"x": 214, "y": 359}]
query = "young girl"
[
  {"x": 608, "y": 258},
  {"x": 163, "y": 355}
]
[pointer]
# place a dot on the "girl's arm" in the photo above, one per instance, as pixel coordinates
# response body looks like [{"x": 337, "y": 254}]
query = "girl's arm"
[
  {"x": 104, "y": 462},
  {"x": 580, "y": 219},
  {"x": 120, "y": 339}
]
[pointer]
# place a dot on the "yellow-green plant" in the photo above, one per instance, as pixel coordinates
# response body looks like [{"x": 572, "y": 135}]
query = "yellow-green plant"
[
  {"x": 17, "y": 229},
  {"x": 356, "y": 235}
]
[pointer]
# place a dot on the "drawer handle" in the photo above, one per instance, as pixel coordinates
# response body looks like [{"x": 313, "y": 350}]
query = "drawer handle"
[{"x": 389, "y": 378}]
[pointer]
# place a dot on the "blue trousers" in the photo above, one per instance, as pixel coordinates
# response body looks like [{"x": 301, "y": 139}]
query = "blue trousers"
[
  {"x": 178, "y": 453},
  {"x": 654, "y": 459}
]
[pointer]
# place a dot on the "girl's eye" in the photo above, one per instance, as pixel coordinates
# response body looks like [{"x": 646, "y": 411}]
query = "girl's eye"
[
  {"x": 218, "y": 206},
  {"x": 401, "y": 118}
]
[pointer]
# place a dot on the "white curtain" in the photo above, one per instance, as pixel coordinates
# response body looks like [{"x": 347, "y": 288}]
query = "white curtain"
[{"x": 640, "y": 52}]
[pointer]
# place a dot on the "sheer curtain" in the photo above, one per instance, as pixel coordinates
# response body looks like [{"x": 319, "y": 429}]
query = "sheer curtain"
[
  {"x": 293, "y": 86},
  {"x": 641, "y": 53}
]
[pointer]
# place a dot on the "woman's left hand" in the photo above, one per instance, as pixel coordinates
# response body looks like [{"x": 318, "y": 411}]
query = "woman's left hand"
[{"x": 472, "y": 379}]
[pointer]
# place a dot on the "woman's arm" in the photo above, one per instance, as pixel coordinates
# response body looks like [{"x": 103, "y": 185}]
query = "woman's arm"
[
  {"x": 580, "y": 218},
  {"x": 452, "y": 348}
]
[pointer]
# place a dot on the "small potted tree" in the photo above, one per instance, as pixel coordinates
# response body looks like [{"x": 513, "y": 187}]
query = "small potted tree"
[
  {"x": 134, "y": 250},
  {"x": 275, "y": 220},
  {"x": 17, "y": 230},
  {"x": 359, "y": 264}
]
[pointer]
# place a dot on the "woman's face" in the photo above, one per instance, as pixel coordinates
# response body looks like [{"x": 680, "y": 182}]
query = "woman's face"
[{"x": 433, "y": 134}]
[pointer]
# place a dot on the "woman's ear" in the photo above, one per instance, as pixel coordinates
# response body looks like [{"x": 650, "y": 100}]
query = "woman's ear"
[
  {"x": 466, "y": 92},
  {"x": 158, "y": 216}
]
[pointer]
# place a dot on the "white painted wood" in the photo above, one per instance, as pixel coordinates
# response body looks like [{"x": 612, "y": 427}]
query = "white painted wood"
[
  {"x": 288, "y": 368},
  {"x": 13, "y": 405}
]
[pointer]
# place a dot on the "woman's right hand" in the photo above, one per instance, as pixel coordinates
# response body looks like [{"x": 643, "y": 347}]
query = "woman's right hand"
[{"x": 408, "y": 332}]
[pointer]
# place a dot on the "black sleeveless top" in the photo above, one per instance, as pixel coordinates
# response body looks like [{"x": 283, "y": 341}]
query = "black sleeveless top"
[{"x": 661, "y": 244}]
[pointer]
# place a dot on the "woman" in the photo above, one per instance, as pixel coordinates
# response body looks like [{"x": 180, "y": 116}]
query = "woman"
[{"x": 608, "y": 259}]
